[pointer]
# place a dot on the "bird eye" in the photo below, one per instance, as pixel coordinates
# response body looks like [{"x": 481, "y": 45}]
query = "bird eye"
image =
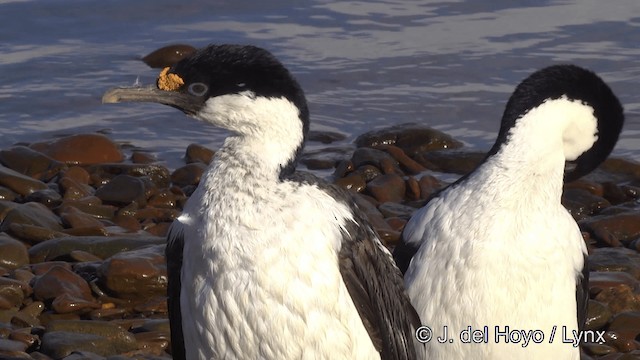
[{"x": 198, "y": 89}]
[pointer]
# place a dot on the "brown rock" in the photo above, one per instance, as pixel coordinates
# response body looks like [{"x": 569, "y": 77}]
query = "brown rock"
[
  {"x": 613, "y": 229},
  {"x": 627, "y": 324},
  {"x": 450, "y": 161},
  {"x": 164, "y": 198},
  {"x": 139, "y": 157},
  {"x": 33, "y": 234},
  {"x": 135, "y": 273},
  {"x": 603, "y": 279},
  {"x": 325, "y": 158},
  {"x": 74, "y": 190},
  {"x": 69, "y": 292},
  {"x": 189, "y": 174},
  {"x": 343, "y": 168},
  {"x": 411, "y": 138},
  {"x": 325, "y": 137},
  {"x": 391, "y": 209},
  {"x": 168, "y": 55},
  {"x": 408, "y": 164},
  {"x": 83, "y": 149},
  {"x": 428, "y": 186},
  {"x": 31, "y": 163},
  {"x": 592, "y": 187},
  {"x": 31, "y": 214},
  {"x": 413, "y": 188},
  {"x": 74, "y": 218},
  {"x": 580, "y": 203},
  {"x": 615, "y": 259},
  {"x": 47, "y": 197},
  {"x": 77, "y": 174},
  {"x": 19, "y": 183},
  {"x": 374, "y": 157},
  {"x": 7, "y": 194},
  {"x": 598, "y": 314},
  {"x": 619, "y": 298},
  {"x": 353, "y": 182},
  {"x": 388, "y": 187},
  {"x": 123, "y": 190},
  {"x": 199, "y": 153},
  {"x": 13, "y": 253},
  {"x": 102, "y": 173}
]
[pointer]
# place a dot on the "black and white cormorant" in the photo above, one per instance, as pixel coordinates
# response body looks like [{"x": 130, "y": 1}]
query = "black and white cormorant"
[
  {"x": 266, "y": 262},
  {"x": 497, "y": 248}
]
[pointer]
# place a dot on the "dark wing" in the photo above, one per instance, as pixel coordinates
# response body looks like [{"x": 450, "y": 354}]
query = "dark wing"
[
  {"x": 173, "y": 253},
  {"x": 374, "y": 282},
  {"x": 582, "y": 294},
  {"x": 377, "y": 289},
  {"x": 403, "y": 253}
]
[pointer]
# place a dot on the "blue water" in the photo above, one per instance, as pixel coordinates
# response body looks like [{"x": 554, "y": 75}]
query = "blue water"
[{"x": 363, "y": 64}]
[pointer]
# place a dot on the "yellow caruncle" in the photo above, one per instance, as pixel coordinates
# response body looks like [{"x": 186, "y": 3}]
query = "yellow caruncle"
[{"x": 169, "y": 82}]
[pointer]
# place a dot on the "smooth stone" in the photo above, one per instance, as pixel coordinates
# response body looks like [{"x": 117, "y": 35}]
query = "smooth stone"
[
  {"x": 353, "y": 182},
  {"x": 615, "y": 259},
  {"x": 605, "y": 279},
  {"x": 47, "y": 197},
  {"x": 164, "y": 198},
  {"x": 343, "y": 168},
  {"x": 392, "y": 209},
  {"x": 31, "y": 163},
  {"x": 90, "y": 205},
  {"x": 627, "y": 324},
  {"x": 626, "y": 167},
  {"x": 7, "y": 194},
  {"x": 374, "y": 157},
  {"x": 387, "y": 187},
  {"x": 23, "y": 320},
  {"x": 33, "y": 234},
  {"x": 74, "y": 190},
  {"x": 28, "y": 339},
  {"x": 158, "y": 174},
  {"x": 409, "y": 165},
  {"x": 13, "y": 253},
  {"x": 77, "y": 174},
  {"x": 413, "y": 188},
  {"x": 325, "y": 158},
  {"x": 121, "y": 339},
  {"x": 410, "y": 137},
  {"x": 11, "y": 296},
  {"x": 12, "y": 345},
  {"x": 43, "y": 267},
  {"x": 614, "y": 193},
  {"x": 81, "y": 149},
  {"x": 6, "y": 207},
  {"x": 102, "y": 247},
  {"x": 167, "y": 56},
  {"x": 61, "y": 344},
  {"x": 619, "y": 299},
  {"x": 19, "y": 183},
  {"x": 325, "y": 137},
  {"x": 123, "y": 190},
  {"x": 367, "y": 172},
  {"x": 135, "y": 273},
  {"x": 429, "y": 185},
  {"x": 375, "y": 217},
  {"x": 69, "y": 291},
  {"x": 580, "y": 203},
  {"x": 450, "y": 161},
  {"x": 83, "y": 256},
  {"x": 31, "y": 214},
  {"x": 199, "y": 153},
  {"x": 598, "y": 314},
  {"x": 73, "y": 218},
  {"x": 189, "y": 174},
  {"x": 139, "y": 157},
  {"x": 592, "y": 187},
  {"x": 597, "y": 350},
  {"x": 613, "y": 229}
]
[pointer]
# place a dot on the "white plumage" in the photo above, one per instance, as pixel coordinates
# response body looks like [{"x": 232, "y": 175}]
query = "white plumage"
[{"x": 497, "y": 248}]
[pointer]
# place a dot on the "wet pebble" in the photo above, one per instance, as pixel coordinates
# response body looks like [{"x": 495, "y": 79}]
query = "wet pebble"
[
  {"x": 189, "y": 174},
  {"x": 198, "y": 153},
  {"x": 598, "y": 315},
  {"x": 325, "y": 137},
  {"x": 13, "y": 253},
  {"x": 410, "y": 137},
  {"x": 82, "y": 149},
  {"x": 326, "y": 158},
  {"x": 387, "y": 187},
  {"x": 68, "y": 291},
  {"x": 19, "y": 183},
  {"x": 135, "y": 273},
  {"x": 373, "y": 157},
  {"x": 450, "y": 161},
  {"x": 615, "y": 259},
  {"x": 613, "y": 229},
  {"x": 168, "y": 55},
  {"x": 73, "y": 218},
  {"x": 31, "y": 214},
  {"x": 626, "y": 324},
  {"x": 101, "y": 173},
  {"x": 102, "y": 247},
  {"x": 31, "y": 163},
  {"x": 580, "y": 203},
  {"x": 123, "y": 190}
]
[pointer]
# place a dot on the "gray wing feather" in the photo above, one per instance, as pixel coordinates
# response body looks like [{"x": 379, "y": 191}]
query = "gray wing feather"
[{"x": 173, "y": 253}]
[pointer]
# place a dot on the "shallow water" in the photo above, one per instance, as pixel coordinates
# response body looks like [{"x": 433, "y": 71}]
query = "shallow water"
[{"x": 363, "y": 65}]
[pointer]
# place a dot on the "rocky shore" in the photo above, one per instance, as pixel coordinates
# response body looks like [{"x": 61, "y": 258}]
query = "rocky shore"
[{"x": 83, "y": 220}]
